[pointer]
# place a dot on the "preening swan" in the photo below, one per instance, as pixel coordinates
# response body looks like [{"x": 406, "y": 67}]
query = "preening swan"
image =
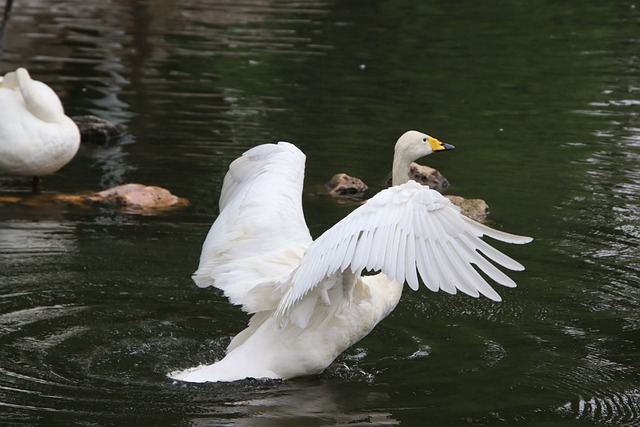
[
  {"x": 309, "y": 299},
  {"x": 36, "y": 137}
]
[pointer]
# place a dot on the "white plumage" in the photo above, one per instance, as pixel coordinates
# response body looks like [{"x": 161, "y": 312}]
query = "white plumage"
[
  {"x": 308, "y": 298},
  {"x": 36, "y": 137}
]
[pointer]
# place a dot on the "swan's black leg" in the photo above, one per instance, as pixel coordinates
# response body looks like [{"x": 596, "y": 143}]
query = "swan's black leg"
[{"x": 35, "y": 185}]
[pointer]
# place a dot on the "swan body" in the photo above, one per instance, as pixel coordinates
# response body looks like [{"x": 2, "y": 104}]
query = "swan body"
[
  {"x": 309, "y": 299},
  {"x": 36, "y": 137}
]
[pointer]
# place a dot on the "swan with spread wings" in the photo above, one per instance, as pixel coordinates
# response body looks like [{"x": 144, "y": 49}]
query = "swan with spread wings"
[{"x": 309, "y": 299}]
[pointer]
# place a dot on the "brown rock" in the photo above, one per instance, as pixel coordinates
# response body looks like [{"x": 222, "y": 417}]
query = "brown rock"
[
  {"x": 343, "y": 185},
  {"x": 137, "y": 196},
  {"x": 133, "y": 198},
  {"x": 425, "y": 175},
  {"x": 95, "y": 129},
  {"x": 476, "y": 209},
  {"x": 428, "y": 176}
]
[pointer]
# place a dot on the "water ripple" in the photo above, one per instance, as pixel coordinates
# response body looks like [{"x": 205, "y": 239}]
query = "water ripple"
[
  {"x": 14, "y": 321},
  {"x": 612, "y": 408}
]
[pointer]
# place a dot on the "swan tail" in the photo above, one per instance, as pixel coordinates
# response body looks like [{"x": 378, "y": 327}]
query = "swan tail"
[{"x": 218, "y": 372}]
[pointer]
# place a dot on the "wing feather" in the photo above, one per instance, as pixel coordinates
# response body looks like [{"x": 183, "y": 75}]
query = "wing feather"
[
  {"x": 469, "y": 274},
  {"x": 361, "y": 252},
  {"x": 410, "y": 262},
  {"x": 408, "y": 232},
  {"x": 488, "y": 268},
  {"x": 445, "y": 275},
  {"x": 348, "y": 256},
  {"x": 391, "y": 256},
  {"x": 483, "y": 230},
  {"x": 260, "y": 234},
  {"x": 423, "y": 261},
  {"x": 454, "y": 265},
  {"x": 497, "y": 256}
]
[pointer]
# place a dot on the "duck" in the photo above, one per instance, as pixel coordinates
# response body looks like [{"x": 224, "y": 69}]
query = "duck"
[
  {"x": 36, "y": 137},
  {"x": 310, "y": 300}
]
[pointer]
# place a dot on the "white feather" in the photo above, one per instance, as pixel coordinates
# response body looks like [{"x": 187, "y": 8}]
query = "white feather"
[
  {"x": 260, "y": 232},
  {"x": 36, "y": 137}
]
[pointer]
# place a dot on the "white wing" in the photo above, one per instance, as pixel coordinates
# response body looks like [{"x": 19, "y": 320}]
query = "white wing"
[
  {"x": 260, "y": 234},
  {"x": 404, "y": 231}
]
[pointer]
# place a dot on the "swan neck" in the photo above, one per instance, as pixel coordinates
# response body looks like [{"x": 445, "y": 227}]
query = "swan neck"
[
  {"x": 39, "y": 99},
  {"x": 400, "y": 169}
]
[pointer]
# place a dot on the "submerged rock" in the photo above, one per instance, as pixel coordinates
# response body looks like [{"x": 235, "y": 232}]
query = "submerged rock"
[
  {"x": 476, "y": 209},
  {"x": 94, "y": 129},
  {"x": 425, "y": 175},
  {"x": 428, "y": 176},
  {"x": 343, "y": 185},
  {"x": 131, "y": 198},
  {"x": 137, "y": 196},
  {"x": 347, "y": 187}
]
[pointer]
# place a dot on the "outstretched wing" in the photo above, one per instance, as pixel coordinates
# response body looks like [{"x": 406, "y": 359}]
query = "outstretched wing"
[
  {"x": 260, "y": 234},
  {"x": 406, "y": 231}
]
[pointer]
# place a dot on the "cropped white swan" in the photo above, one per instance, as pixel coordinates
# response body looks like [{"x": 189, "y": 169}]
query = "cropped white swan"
[
  {"x": 308, "y": 298},
  {"x": 36, "y": 137}
]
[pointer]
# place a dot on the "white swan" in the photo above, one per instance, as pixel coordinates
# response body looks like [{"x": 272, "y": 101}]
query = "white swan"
[
  {"x": 36, "y": 137},
  {"x": 308, "y": 298}
]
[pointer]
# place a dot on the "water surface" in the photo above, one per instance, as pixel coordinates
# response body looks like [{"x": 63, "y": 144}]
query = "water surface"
[{"x": 542, "y": 101}]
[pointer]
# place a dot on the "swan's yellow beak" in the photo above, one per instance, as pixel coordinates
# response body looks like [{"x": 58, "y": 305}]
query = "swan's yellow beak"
[{"x": 437, "y": 145}]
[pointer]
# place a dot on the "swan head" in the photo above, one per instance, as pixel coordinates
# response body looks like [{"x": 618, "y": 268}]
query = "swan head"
[{"x": 411, "y": 146}]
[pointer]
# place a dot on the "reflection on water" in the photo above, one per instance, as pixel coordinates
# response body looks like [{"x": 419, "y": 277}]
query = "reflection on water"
[
  {"x": 111, "y": 160},
  {"x": 96, "y": 306},
  {"x": 303, "y": 403},
  {"x": 36, "y": 238}
]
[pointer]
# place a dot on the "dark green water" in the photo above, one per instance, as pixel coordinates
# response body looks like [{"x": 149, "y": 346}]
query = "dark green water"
[{"x": 541, "y": 99}]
